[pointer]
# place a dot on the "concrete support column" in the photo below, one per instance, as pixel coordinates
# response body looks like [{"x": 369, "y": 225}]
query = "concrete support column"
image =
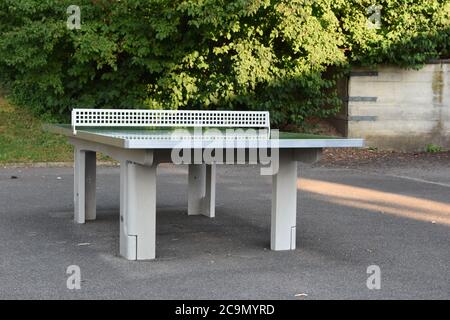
[
  {"x": 84, "y": 185},
  {"x": 202, "y": 189},
  {"x": 284, "y": 203},
  {"x": 137, "y": 211}
]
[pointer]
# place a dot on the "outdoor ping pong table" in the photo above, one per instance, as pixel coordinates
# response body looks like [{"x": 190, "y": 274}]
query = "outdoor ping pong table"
[{"x": 140, "y": 150}]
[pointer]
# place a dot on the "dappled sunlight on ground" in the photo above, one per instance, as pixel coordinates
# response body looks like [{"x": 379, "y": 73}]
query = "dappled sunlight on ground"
[{"x": 383, "y": 202}]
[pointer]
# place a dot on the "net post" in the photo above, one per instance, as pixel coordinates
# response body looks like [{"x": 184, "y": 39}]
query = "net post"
[
  {"x": 74, "y": 129},
  {"x": 268, "y": 124}
]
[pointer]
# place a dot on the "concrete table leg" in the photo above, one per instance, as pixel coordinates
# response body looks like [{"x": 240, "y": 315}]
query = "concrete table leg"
[
  {"x": 284, "y": 203},
  {"x": 202, "y": 190},
  {"x": 209, "y": 202},
  {"x": 137, "y": 211},
  {"x": 84, "y": 185}
]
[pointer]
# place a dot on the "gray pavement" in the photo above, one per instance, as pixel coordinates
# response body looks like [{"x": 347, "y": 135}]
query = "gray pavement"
[{"x": 348, "y": 219}]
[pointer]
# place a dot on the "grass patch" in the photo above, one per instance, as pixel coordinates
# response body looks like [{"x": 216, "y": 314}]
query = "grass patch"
[
  {"x": 433, "y": 148},
  {"x": 23, "y": 140}
]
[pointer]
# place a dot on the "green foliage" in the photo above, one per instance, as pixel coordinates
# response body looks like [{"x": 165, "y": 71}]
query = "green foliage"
[
  {"x": 52, "y": 69},
  {"x": 209, "y": 54},
  {"x": 256, "y": 55},
  {"x": 412, "y": 32},
  {"x": 433, "y": 148}
]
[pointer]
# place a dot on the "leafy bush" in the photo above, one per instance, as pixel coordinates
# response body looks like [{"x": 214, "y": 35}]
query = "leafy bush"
[
  {"x": 211, "y": 54},
  {"x": 412, "y": 32},
  {"x": 52, "y": 69},
  {"x": 261, "y": 55},
  {"x": 433, "y": 148}
]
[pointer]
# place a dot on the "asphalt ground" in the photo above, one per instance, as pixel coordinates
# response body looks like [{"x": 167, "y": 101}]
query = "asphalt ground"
[{"x": 396, "y": 217}]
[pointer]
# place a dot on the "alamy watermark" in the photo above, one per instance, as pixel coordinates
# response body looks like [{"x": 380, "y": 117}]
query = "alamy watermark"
[
  {"x": 74, "y": 280},
  {"x": 74, "y": 19},
  {"x": 374, "y": 280},
  {"x": 374, "y": 20},
  {"x": 230, "y": 146}
]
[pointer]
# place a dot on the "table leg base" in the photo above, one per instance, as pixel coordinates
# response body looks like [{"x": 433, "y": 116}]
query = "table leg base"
[
  {"x": 284, "y": 203},
  {"x": 137, "y": 211},
  {"x": 202, "y": 189}
]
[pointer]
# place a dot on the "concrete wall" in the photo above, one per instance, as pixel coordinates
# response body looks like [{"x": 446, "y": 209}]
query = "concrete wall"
[{"x": 393, "y": 108}]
